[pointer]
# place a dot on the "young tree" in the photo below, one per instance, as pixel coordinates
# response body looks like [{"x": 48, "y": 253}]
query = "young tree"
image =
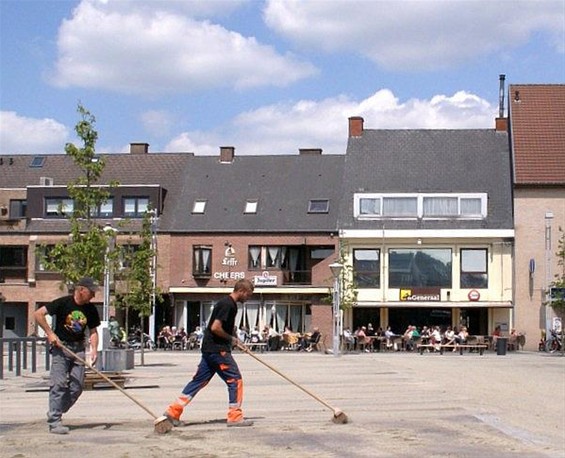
[
  {"x": 347, "y": 284},
  {"x": 85, "y": 253},
  {"x": 138, "y": 290},
  {"x": 558, "y": 300}
]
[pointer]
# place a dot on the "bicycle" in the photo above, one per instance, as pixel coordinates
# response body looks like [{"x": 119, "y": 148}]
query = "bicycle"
[{"x": 554, "y": 343}]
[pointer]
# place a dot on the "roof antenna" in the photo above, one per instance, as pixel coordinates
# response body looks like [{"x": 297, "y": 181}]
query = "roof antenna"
[{"x": 501, "y": 96}]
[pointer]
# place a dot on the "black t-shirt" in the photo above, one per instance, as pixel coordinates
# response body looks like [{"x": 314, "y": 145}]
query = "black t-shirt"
[
  {"x": 71, "y": 319},
  {"x": 225, "y": 311}
]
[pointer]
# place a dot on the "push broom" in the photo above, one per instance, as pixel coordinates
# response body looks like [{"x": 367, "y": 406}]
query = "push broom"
[
  {"x": 161, "y": 424},
  {"x": 339, "y": 416}
]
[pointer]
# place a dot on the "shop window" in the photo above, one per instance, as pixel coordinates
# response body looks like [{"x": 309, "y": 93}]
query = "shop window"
[
  {"x": 367, "y": 268},
  {"x": 474, "y": 272},
  {"x": 419, "y": 268}
]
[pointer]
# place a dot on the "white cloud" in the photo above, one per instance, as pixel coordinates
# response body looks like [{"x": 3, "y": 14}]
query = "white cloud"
[
  {"x": 216, "y": 8},
  {"x": 416, "y": 35},
  {"x": 284, "y": 128},
  {"x": 199, "y": 143},
  {"x": 149, "y": 49},
  {"x": 23, "y": 135},
  {"x": 157, "y": 122}
]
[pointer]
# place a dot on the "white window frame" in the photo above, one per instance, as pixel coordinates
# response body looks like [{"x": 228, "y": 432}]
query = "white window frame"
[
  {"x": 140, "y": 205},
  {"x": 58, "y": 207},
  {"x": 379, "y": 199}
]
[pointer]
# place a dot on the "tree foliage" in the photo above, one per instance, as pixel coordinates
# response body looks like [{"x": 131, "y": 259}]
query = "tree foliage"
[
  {"x": 84, "y": 253},
  {"x": 137, "y": 290},
  {"x": 558, "y": 303},
  {"x": 347, "y": 284}
]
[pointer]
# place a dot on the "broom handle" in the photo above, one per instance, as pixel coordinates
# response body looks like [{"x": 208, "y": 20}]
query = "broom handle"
[
  {"x": 276, "y": 371},
  {"x": 108, "y": 379}
]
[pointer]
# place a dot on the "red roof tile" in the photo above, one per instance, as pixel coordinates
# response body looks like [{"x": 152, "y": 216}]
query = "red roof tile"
[{"x": 537, "y": 120}]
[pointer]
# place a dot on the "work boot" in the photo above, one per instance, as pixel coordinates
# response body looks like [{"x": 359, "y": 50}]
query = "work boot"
[
  {"x": 239, "y": 423},
  {"x": 59, "y": 429}
]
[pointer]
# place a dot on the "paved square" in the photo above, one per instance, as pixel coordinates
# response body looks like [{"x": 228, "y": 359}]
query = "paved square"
[{"x": 399, "y": 405}]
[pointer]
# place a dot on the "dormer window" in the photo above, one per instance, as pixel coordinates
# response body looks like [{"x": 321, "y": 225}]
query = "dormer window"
[
  {"x": 135, "y": 207},
  {"x": 423, "y": 205},
  {"x": 58, "y": 207}
]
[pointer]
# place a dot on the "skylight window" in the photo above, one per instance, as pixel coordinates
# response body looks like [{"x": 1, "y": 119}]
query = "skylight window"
[
  {"x": 318, "y": 206},
  {"x": 250, "y": 206},
  {"x": 199, "y": 206},
  {"x": 37, "y": 161}
]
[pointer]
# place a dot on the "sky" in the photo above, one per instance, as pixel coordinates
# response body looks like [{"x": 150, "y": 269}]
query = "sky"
[{"x": 266, "y": 77}]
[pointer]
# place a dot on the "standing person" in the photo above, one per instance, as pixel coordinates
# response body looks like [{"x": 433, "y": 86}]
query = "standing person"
[
  {"x": 72, "y": 315},
  {"x": 217, "y": 358}
]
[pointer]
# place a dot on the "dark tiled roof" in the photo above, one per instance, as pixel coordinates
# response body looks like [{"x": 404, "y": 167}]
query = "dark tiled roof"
[
  {"x": 283, "y": 186},
  {"x": 128, "y": 169},
  {"x": 429, "y": 161},
  {"x": 537, "y": 121},
  {"x": 164, "y": 169}
]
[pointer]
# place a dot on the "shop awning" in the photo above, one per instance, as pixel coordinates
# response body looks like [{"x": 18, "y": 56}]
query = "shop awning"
[{"x": 436, "y": 305}]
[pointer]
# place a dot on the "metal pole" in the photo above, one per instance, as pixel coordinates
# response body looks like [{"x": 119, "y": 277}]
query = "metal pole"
[
  {"x": 336, "y": 317},
  {"x": 152, "y": 332},
  {"x": 105, "y": 313},
  {"x": 336, "y": 269},
  {"x": 548, "y": 276}
]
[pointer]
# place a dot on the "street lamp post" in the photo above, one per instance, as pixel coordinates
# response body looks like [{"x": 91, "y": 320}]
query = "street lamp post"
[
  {"x": 548, "y": 275},
  {"x": 154, "y": 219},
  {"x": 111, "y": 234},
  {"x": 336, "y": 269}
]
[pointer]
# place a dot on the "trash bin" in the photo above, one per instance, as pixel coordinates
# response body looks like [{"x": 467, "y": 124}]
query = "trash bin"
[{"x": 501, "y": 344}]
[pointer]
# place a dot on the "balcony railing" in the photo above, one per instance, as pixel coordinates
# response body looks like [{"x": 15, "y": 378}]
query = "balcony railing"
[{"x": 297, "y": 277}]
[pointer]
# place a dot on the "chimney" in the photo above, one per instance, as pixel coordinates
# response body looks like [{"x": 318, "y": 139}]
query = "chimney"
[
  {"x": 310, "y": 151},
  {"x": 139, "y": 148},
  {"x": 227, "y": 154},
  {"x": 501, "y": 123},
  {"x": 356, "y": 126}
]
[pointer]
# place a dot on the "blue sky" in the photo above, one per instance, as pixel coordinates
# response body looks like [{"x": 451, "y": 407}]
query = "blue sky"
[{"x": 267, "y": 77}]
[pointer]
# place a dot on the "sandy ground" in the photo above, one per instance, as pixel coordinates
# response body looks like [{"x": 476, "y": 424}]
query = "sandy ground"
[{"x": 399, "y": 405}]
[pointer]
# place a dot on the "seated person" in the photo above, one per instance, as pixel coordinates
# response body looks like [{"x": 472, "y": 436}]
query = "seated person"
[
  {"x": 242, "y": 334},
  {"x": 348, "y": 339},
  {"x": 180, "y": 338},
  {"x": 435, "y": 338},
  {"x": 273, "y": 339},
  {"x": 363, "y": 342},
  {"x": 313, "y": 340},
  {"x": 255, "y": 336},
  {"x": 389, "y": 335},
  {"x": 164, "y": 338},
  {"x": 462, "y": 336},
  {"x": 410, "y": 336},
  {"x": 449, "y": 336},
  {"x": 495, "y": 335}
]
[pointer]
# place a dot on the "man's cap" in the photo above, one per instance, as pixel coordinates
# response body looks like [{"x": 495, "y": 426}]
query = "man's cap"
[{"x": 88, "y": 282}]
